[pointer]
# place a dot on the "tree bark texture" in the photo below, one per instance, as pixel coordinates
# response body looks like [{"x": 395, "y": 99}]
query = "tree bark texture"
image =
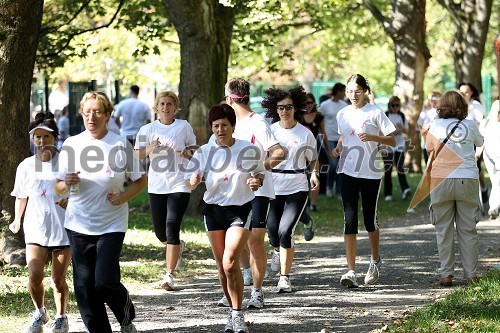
[
  {"x": 205, "y": 29},
  {"x": 471, "y": 19},
  {"x": 20, "y": 22},
  {"x": 406, "y": 26}
]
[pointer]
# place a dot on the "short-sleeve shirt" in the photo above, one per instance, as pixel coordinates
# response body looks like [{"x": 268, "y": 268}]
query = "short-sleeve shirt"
[
  {"x": 330, "y": 109},
  {"x": 476, "y": 111},
  {"x": 104, "y": 165},
  {"x": 397, "y": 119},
  {"x": 167, "y": 167},
  {"x": 134, "y": 114},
  {"x": 43, "y": 219},
  {"x": 226, "y": 171},
  {"x": 256, "y": 130},
  {"x": 362, "y": 159},
  {"x": 300, "y": 148}
]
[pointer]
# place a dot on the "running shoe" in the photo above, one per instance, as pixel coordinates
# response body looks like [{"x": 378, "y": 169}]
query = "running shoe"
[
  {"x": 247, "y": 276},
  {"x": 329, "y": 192},
  {"x": 239, "y": 324},
  {"x": 229, "y": 324},
  {"x": 60, "y": 325},
  {"x": 284, "y": 285},
  {"x": 168, "y": 282},
  {"x": 179, "y": 260},
  {"x": 406, "y": 194},
  {"x": 447, "y": 281},
  {"x": 130, "y": 328},
  {"x": 372, "y": 275},
  {"x": 39, "y": 320},
  {"x": 309, "y": 231},
  {"x": 275, "y": 262},
  {"x": 349, "y": 279},
  {"x": 223, "y": 301},
  {"x": 256, "y": 299},
  {"x": 388, "y": 198}
]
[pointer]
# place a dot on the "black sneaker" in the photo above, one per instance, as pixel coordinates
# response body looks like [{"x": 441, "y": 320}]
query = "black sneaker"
[{"x": 309, "y": 231}]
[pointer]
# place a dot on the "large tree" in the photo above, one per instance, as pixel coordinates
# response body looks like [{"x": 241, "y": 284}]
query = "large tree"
[
  {"x": 471, "y": 19},
  {"x": 405, "y": 24},
  {"x": 20, "y": 23}
]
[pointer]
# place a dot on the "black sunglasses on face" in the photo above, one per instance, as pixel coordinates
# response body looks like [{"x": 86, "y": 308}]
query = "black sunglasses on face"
[
  {"x": 284, "y": 107},
  {"x": 395, "y": 105}
]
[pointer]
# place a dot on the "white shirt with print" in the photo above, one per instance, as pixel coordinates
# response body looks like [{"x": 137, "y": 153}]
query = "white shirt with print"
[
  {"x": 167, "y": 167},
  {"x": 300, "y": 148},
  {"x": 362, "y": 159},
  {"x": 104, "y": 166},
  {"x": 226, "y": 171},
  {"x": 43, "y": 219}
]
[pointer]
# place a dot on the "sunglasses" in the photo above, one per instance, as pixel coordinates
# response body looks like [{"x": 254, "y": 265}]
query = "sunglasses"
[
  {"x": 395, "y": 105},
  {"x": 284, "y": 107},
  {"x": 309, "y": 102}
]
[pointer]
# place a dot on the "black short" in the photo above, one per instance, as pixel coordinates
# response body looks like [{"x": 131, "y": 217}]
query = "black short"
[
  {"x": 260, "y": 211},
  {"x": 51, "y": 248},
  {"x": 224, "y": 217}
]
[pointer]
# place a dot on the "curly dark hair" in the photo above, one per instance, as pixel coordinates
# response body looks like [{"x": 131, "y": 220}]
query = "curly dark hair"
[
  {"x": 45, "y": 119},
  {"x": 452, "y": 105},
  {"x": 297, "y": 95},
  {"x": 222, "y": 111}
]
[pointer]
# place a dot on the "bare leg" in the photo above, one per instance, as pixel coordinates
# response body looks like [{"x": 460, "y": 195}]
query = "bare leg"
[
  {"x": 350, "y": 251},
  {"x": 245, "y": 257},
  {"x": 374, "y": 242},
  {"x": 258, "y": 259},
  {"x": 172, "y": 256},
  {"x": 36, "y": 257},
  {"x": 236, "y": 239},
  {"x": 286, "y": 259},
  {"x": 60, "y": 263}
]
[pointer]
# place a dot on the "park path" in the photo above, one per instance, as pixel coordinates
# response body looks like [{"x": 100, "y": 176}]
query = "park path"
[{"x": 409, "y": 279}]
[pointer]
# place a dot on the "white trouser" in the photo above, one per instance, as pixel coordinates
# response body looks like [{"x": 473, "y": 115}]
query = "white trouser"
[
  {"x": 494, "y": 173},
  {"x": 456, "y": 201}
]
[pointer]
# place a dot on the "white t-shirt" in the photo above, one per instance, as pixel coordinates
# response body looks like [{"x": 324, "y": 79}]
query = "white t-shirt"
[
  {"x": 104, "y": 166},
  {"x": 491, "y": 134},
  {"x": 166, "y": 171},
  {"x": 396, "y": 119},
  {"x": 255, "y": 129},
  {"x": 226, "y": 171},
  {"x": 63, "y": 126},
  {"x": 362, "y": 159},
  {"x": 134, "y": 114},
  {"x": 426, "y": 116},
  {"x": 476, "y": 111},
  {"x": 330, "y": 109},
  {"x": 461, "y": 143},
  {"x": 43, "y": 219},
  {"x": 300, "y": 148}
]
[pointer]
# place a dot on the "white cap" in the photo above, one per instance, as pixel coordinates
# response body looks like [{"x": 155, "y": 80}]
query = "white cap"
[{"x": 41, "y": 127}]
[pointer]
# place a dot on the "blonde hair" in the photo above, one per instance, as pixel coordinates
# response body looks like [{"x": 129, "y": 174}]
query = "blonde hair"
[
  {"x": 170, "y": 94},
  {"x": 101, "y": 97}
]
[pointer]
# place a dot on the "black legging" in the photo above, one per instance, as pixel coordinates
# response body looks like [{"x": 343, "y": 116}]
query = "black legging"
[
  {"x": 167, "y": 211},
  {"x": 399, "y": 157},
  {"x": 284, "y": 213}
]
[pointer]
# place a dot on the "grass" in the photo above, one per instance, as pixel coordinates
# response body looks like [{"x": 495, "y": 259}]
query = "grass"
[
  {"x": 474, "y": 308},
  {"x": 142, "y": 262}
]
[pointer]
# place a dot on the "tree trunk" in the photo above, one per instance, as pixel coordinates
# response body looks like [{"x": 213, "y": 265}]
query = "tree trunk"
[
  {"x": 19, "y": 33},
  {"x": 471, "y": 19},
  {"x": 407, "y": 28},
  {"x": 204, "y": 28}
]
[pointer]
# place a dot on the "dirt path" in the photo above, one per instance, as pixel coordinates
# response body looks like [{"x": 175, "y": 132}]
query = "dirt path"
[{"x": 409, "y": 279}]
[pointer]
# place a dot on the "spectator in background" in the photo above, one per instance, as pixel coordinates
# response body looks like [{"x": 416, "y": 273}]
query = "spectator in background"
[
  {"x": 396, "y": 155},
  {"x": 330, "y": 109},
  {"x": 326, "y": 96},
  {"x": 58, "y": 98},
  {"x": 131, "y": 114},
  {"x": 63, "y": 125},
  {"x": 427, "y": 115}
]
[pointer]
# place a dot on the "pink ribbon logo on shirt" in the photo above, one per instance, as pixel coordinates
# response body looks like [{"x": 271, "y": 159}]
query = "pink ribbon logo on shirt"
[{"x": 44, "y": 193}]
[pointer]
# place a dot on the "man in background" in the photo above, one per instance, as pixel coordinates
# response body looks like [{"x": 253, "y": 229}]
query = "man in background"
[{"x": 131, "y": 114}]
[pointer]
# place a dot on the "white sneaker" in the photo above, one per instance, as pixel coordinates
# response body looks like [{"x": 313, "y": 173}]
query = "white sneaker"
[
  {"x": 406, "y": 194},
  {"x": 39, "y": 320},
  {"x": 229, "y": 324},
  {"x": 329, "y": 192},
  {"x": 239, "y": 324},
  {"x": 60, "y": 325},
  {"x": 247, "y": 276},
  {"x": 388, "y": 198},
  {"x": 349, "y": 280},
  {"x": 168, "y": 282},
  {"x": 284, "y": 285},
  {"x": 275, "y": 262},
  {"x": 372, "y": 275},
  {"x": 130, "y": 328},
  {"x": 223, "y": 301},
  {"x": 179, "y": 260},
  {"x": 256, "y": 300}
]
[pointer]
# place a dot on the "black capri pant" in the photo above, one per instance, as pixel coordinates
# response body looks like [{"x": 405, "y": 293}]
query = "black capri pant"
[
  {"x": 369, "y": 189},
  {"x": 284, "y": 214},
  {"x": 167, "y": 211}
]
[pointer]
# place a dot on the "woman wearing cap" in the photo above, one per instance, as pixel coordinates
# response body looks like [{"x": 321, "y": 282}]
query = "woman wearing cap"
[
  {"x": 165, "y": 141},
  {"x": 290, "y": 179},
  {"x": 95, "y": 164},
  {"x": 362, "y": 127},
  {"x": 233, "y": 171},
  {"x": 43, "y": 226}
]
